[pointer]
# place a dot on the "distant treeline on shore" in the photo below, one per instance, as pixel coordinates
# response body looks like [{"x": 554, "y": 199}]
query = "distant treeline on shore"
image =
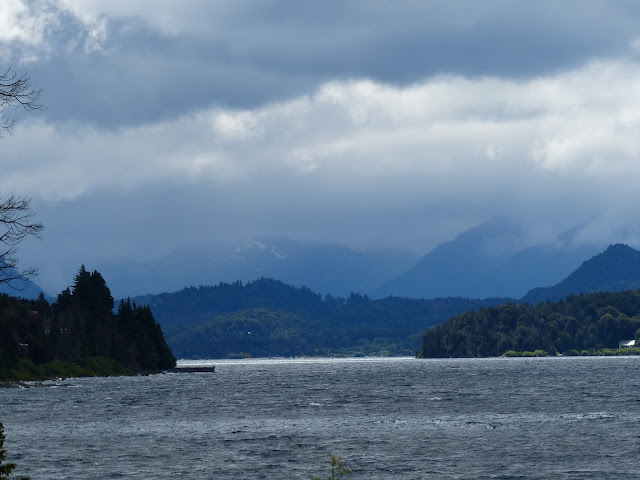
[
  {"x": 580, "y": 324},
  {"x": 270, "y": 318}
]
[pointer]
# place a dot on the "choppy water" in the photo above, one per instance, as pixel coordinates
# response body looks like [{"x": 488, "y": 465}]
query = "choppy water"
[{"x": 560, "y": 418}]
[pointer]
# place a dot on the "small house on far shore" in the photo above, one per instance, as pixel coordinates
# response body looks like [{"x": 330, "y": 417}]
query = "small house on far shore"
[{"x": 626, "y": 343}]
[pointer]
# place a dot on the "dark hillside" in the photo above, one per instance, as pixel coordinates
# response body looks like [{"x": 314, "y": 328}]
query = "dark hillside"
[
  {"x": 585, "y": 322},
  {"x": 270, "y": 318},
  {"x": 615, "y": 270},
  {"x": 487, "y": 261},
  {"x": 193, "y": 305}
]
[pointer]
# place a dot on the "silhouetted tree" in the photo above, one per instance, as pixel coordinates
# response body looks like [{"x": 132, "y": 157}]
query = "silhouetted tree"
[
  {"x": 16, "y": 217},
  {"x": 84, "y": 326}
]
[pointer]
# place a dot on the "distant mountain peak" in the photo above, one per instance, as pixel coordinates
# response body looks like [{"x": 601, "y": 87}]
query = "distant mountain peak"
[
  {"x": 619, "y": 248},
  {"x": 493, "y": 259},
  {"x": 617, "y": 253},
  {"x": 254, "y": 247},
  {"x": 615, "y": 269},
  {"x": 497, "y": 236}
]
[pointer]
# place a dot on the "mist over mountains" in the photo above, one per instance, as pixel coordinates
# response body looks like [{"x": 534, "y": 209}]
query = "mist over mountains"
[
  {"x": 267, "y": 317},
  {"x": 255, "y": 312},
  {"x": 326, "y": 269},
  {"x": 491, "y": 260},
  {"x": 494, "y": 259}
]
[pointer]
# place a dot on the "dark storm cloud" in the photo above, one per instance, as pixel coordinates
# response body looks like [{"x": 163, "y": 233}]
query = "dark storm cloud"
[
  {"x": 368, "y": 124},
  {"x": 245, "y": 54}
]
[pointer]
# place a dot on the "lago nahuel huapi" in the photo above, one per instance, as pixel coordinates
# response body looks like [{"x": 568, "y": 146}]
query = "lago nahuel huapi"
[
  {"x": 388, "y": 418},
  {"x": 397, "y": 418},
  {"x": 378, "y": 223}
]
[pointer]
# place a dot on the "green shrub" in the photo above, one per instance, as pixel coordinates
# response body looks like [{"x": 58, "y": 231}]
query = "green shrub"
[
  {"x": 338, "y": 469},
  {"x": 105, "y": 366},
  {"x": 25, "y": 370}
]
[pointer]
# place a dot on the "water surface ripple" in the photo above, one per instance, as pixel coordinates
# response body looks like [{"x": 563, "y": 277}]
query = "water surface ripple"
[{"x": 516, "y": 418}]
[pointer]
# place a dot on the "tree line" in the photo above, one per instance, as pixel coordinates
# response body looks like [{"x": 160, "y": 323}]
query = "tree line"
[
  {"x": 80, "y": 328},
  {"x": 586, "y": 322},
  {"x": 267, "y": 317}
]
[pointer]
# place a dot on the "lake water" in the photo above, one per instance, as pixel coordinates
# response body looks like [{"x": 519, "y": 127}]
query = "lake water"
[{"x": 505, "y": 418}]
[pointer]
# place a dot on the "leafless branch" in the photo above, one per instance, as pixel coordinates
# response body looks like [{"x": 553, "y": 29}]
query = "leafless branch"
[
  {"x": 16, "y": 223},
  {"x": 16, "y": 217},
  {"x": 16, "y": 91}
]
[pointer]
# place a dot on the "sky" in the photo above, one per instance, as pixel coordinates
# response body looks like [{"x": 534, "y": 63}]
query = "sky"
[{"x": 372, "y": 124}]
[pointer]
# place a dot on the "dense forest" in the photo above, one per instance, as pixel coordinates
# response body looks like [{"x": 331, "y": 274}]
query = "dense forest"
[
  {"x": 585, "y": 323},
  {"x": 269, "y": 318},
  {"x": 79, "y": 334}
]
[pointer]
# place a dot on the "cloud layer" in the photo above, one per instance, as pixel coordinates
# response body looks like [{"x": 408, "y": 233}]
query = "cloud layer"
[
  {"x": 359, "y": 136},
  {"x": 358, "y": 124}
]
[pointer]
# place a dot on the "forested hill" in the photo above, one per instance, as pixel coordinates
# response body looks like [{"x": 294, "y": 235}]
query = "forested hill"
[
  {"x": 269, "y": 318},
  {"x": 585, "y": 322},
  {"x": 194, "y": 305},
  {"x": 616, "y": 269},
  {"x": 79, "y": 334}
]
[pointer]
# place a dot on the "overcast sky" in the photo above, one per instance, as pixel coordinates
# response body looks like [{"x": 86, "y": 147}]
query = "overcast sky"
[{"x": 372, "y": 124}]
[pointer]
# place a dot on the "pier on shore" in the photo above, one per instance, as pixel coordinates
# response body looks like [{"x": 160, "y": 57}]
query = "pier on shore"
[{"x": 193, "y": 369}]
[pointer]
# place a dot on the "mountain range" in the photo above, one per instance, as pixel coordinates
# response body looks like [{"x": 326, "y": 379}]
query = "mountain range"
[
  {"x": 327, "y": 269},
  {"x": 267, "y": 317},
  {"x": 616, "y": 269},
  {"x": 490, "y": 260},
  {"x": 30, "y": 291},
  {"x": 494, "y": 259},
  {"x": 25, "y": 289}
]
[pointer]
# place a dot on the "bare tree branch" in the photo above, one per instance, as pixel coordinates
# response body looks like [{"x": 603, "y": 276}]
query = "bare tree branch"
[
  {"x": 16, "y": 91},
  {"x": 16, "y": 223},
  {"x": 16, "y": 217}
]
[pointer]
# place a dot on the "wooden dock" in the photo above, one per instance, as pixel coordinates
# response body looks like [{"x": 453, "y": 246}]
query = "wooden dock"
[{"x": 194, "y": 369}]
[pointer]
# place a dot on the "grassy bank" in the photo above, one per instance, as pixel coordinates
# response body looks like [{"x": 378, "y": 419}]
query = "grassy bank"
[
  {"x": 26, "y": 370},
  {"x": 602, "y": 352}
]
